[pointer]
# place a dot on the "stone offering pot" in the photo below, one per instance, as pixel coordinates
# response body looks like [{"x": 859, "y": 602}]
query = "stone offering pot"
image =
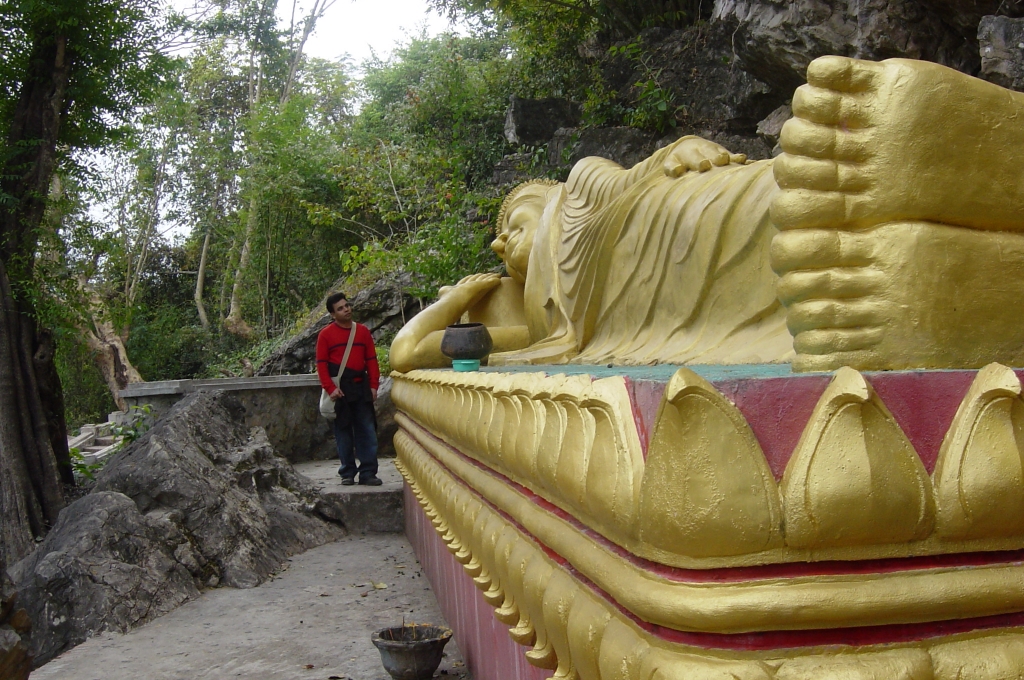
[
  {"x": 466, "y": 341},
  {"x": 411, "y": 652}
]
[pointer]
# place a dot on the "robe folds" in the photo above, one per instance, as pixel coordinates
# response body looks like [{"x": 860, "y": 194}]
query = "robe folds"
[{"x": 637, "y": 267}]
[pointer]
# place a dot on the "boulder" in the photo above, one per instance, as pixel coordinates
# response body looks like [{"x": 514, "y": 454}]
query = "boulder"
[
  {"x": 383, "y": 307},
  {"x": 386, "y": 424},
  {"x": 197, "y": 501},
  {"x": 240, "y": 505},
  {"x": 534, "y": 121},
  {"x": 775, "y": 40},
  {"x": 697, "y": 67},
  {"x": 1001, "y": 41},
  {"x": 103, "y": 567},
  {"x": 513, "y": 169},
  {"x": 625, "y": 145},
  {"x": 15, "y": 660},
  {"x": 770, "y": 129}
]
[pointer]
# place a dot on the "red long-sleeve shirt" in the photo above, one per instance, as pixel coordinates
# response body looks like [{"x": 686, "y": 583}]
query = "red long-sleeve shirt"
[{"x": 330, "y": 350}]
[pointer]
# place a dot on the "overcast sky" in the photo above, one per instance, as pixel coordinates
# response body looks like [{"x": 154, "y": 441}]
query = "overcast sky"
[{"x": 357, "y": 26}]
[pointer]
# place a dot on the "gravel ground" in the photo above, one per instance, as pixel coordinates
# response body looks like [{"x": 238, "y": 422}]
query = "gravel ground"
[{"x": 310, "y": 622}]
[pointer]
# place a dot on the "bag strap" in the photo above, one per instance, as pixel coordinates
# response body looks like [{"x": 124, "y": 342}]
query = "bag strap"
[{"x": 348, "y": 351}]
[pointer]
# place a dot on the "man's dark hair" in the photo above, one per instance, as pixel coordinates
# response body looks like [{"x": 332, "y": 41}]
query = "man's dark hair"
[{"x": 333, "y": 300}]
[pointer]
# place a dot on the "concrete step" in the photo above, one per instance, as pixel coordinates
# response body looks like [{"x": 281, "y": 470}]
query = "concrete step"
[{"x": 364, "y": 509}]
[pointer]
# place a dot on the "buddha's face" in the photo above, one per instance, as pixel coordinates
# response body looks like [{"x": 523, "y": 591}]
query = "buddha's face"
[{"x": 515, "y": 241}]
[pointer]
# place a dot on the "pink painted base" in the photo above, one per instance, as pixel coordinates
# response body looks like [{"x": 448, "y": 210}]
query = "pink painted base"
[
  {"x": 922, "y": 403},
  {"x": 484, "y": 642}
]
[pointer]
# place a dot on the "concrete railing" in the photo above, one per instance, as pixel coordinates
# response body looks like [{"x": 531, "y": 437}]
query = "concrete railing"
[{"x": 286, "y": 406}]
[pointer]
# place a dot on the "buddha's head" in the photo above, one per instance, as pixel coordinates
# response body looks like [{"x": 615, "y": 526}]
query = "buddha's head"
[{"x": 518, "y": 219}]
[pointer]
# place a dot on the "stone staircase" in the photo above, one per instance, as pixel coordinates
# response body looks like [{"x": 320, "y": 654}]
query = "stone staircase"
[{"x": 95, "y": 442}]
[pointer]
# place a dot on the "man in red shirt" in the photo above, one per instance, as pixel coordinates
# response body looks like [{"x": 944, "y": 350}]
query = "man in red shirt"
[{"x": 355, "y": 425}]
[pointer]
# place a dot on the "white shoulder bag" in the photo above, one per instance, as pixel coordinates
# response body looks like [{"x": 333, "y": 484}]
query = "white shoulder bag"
[{"x": 326, "y": 403}]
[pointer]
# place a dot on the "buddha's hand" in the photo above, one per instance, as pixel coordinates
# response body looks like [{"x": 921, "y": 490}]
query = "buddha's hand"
[
  {"x": 693, "y": 154},
  {"x": 471, "y": 288}
]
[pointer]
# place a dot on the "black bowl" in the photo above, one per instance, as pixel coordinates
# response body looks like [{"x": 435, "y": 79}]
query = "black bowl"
[{"x": 466, "y": 341}]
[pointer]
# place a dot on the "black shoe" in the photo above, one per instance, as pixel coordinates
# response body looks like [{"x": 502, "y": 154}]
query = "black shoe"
[
  {"x": 347, "y": 481},
  {"x": 371, "y": 481}
]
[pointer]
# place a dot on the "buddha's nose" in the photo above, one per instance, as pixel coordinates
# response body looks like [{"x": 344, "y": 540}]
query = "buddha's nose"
[{"x": 498, "y": 245}]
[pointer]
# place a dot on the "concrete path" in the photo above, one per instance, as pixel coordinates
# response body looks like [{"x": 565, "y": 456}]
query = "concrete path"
[
  {"x": 365, "y": 509},
  {"x": 311, "y": 622}
]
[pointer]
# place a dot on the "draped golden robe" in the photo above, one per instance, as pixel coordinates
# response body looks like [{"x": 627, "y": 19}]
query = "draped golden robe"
[{"x": 637, "y": 267}]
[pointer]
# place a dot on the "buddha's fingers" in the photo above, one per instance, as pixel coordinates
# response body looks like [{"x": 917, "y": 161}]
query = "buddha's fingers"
[
  {"x": 831, "y": 340},
  {"x": 819, "y": 249},
  {"x": 829, "y": 284},
  {"x": 843, "y": 74},
  {"x": 802, "y": 172},
  {"x": 820, "y": 315},
  {"x": 805, "y": 138},
  {"x": 828, "y": 107}
]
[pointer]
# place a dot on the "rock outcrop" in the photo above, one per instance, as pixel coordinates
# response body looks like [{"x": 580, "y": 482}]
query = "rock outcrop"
[
  {"x": 776, "y": 39},
  {"x": 625, "y": 145},
  {"x": 383, "y": 307},
  {"x": 533, "y": 121},
  {"x": 240, "y": 504},
  {"x": 1001, "y": 40},
  {"x": 387, "y": 427},
  {"x": 198, "y": 501},
  {"x": 15, "y": 661},
  {"x": 103, "y": 566}
]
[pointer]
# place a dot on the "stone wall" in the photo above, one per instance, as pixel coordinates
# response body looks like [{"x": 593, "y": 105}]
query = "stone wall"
[{"x": 286, "y": 407}]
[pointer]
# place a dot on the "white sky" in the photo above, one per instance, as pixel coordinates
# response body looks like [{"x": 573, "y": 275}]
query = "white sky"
[{"x": 354, "y": 27}]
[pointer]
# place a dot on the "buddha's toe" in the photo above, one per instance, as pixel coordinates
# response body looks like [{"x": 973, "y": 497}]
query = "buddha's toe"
[
  {"x": 828, "y": 107},
  {"x": 820, "y": 248},
  {"x": 815, "y": 315},
  {"x": 805, "y": 138},
  {"x": 810, "y": 363},
  {"x": 805, "y": 208},
  {"x": 819, "y": 174},
  {"x": 843, "y": 74},
  {"x": 832, "y": 340},
  {"x": 833, "y": 283}
]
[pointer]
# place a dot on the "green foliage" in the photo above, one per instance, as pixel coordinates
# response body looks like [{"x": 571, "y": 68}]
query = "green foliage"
[
  {"x": 86, "y": 397},
  {"x": 656, "y": 108},
  {"x": 383, "y": 358},
  {"x": 113, "y": 57},
  {"x": 230, "y": 362},
  {"x": 83, "y": 469},
  {"x": 325, "y": 176},
  {"x": 615, "y": 18},
  {"x": 137, "y": 421}
]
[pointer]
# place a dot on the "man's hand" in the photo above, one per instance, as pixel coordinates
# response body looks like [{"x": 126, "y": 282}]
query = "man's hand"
[
  {"x": 336, "y": 394},
  {"x": 374, "y": 393}
]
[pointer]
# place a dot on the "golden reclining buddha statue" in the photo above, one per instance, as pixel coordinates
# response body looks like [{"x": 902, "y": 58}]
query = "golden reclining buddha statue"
[
  {"x": 631, "y": 524},
  {"x": 889, "y": 234}
]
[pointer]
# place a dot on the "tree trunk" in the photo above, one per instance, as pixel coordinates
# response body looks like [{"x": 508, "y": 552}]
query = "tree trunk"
[
  {"x": 234, "y": 323},
  {"x": 112, "y": 360},
  {"x": 108, "y": 349},
  {"x": 201, "y": 282},
  {"x": 31, "y": 495}
]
